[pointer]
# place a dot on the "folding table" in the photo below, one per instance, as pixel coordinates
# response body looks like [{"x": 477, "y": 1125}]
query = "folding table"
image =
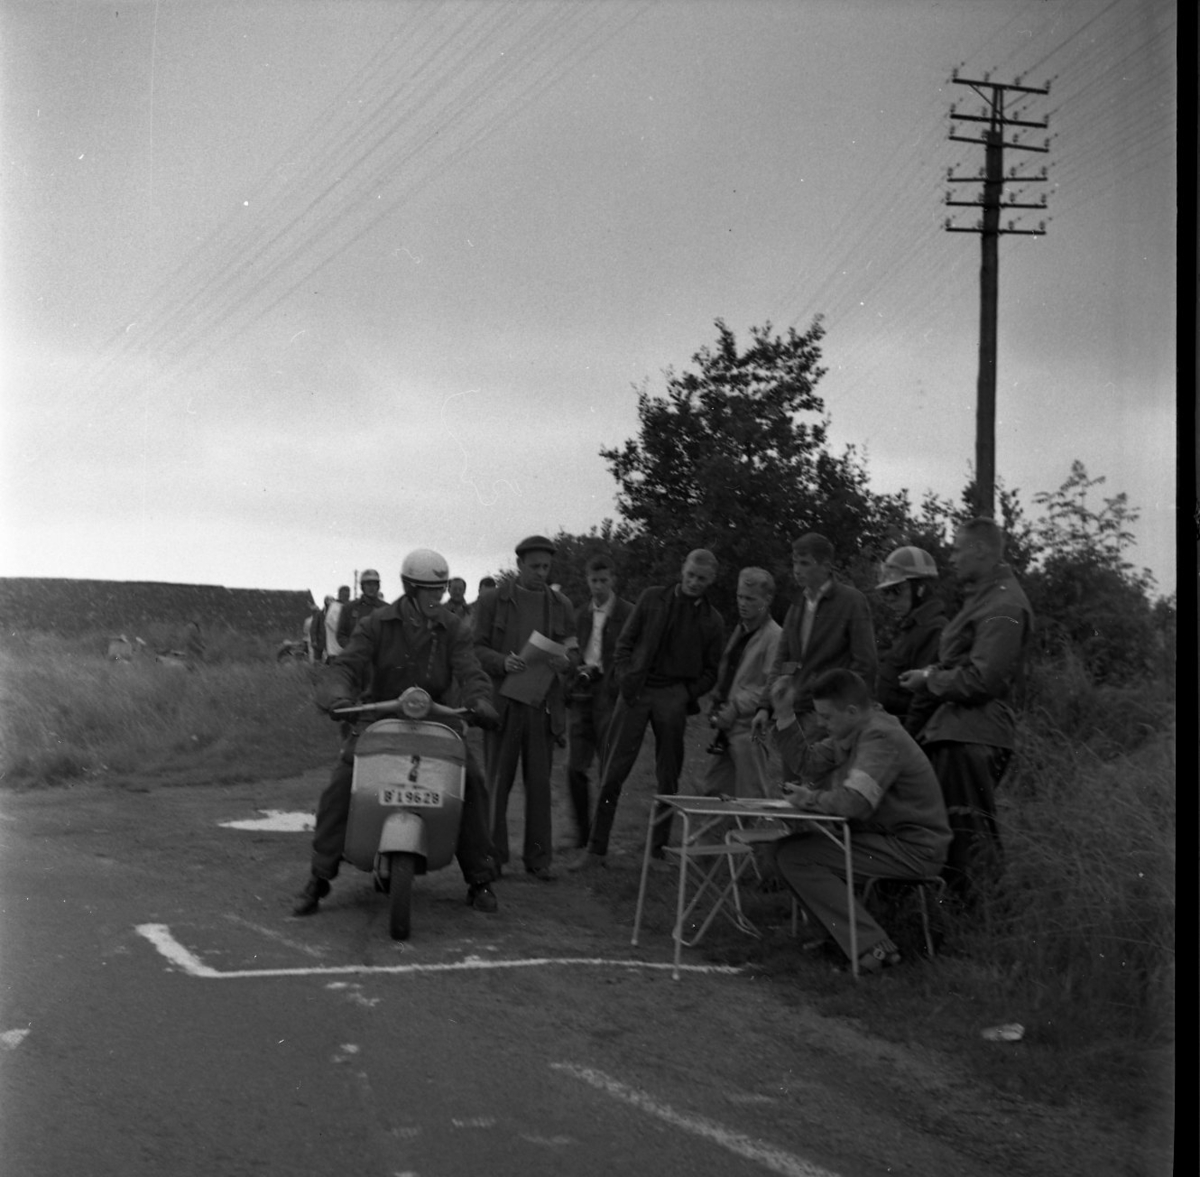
[{"x": 728, "y": 855}]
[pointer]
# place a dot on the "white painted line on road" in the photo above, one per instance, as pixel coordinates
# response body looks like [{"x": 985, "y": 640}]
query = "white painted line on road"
[
  {"x": 271, "y": 934},
  {"x": 160, "y": 936},
  {"x": 278, "y": 821},
  {"x": 767, "y": 1155},
  {"x": 13, "y": 1038}
]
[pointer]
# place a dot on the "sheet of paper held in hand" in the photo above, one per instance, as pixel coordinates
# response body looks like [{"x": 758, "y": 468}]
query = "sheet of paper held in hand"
[{"x": 531, "y": 684}]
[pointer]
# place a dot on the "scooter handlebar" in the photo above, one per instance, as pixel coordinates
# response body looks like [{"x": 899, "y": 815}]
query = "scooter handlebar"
[{"x": 395, "y": 707}]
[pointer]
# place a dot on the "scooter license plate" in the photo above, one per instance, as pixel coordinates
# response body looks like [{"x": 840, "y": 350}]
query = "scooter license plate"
[{"x": 411, "y": 797}]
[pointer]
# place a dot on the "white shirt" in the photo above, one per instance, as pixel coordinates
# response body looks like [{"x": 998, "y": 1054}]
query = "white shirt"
[
  {"x": 810, "y": 613},
  {"x": 600, "y": 615},
  {"x": 332, "y": 649}
]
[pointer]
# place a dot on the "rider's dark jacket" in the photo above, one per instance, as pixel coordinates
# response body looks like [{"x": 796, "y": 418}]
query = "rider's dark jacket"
[{"x": 395, "y": 648}]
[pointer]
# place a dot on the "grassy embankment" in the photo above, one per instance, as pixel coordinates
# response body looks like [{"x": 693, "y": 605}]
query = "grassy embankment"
[
  {"x": 70, "y": 715},
  {"x": 1078, "y": 945}
]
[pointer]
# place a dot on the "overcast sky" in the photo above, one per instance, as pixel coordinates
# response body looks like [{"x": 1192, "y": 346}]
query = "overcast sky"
[{"x": 291, "y": 288}]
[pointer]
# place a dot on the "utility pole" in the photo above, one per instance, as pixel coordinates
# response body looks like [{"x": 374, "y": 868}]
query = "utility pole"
[{"x": 991, "y": 201}]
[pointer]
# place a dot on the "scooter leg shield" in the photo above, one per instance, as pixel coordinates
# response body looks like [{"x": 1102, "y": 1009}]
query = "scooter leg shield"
[{"x": 404, "y": 832}]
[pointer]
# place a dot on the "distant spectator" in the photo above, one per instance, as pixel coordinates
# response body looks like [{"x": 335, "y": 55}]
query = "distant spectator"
[
  {"x": 366, "y": 604},
  {"x": 193, "y": 641},
  {"x": 457, "y": 603},
  {"x": 314, "y": 632},
  {"x": 333, "y": 615},
  {"x": 488, "y": 582}
]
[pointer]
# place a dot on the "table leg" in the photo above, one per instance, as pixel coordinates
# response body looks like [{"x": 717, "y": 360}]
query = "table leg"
[
  {"x": 641, "y": 899},
  {"x": 850, "y": 900},
  {"x": 683, "y": 856}
]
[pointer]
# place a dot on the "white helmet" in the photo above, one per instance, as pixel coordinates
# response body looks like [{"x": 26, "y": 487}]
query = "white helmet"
[
  {"x": 424, "y": 569},
  {"x": 907, "y": 564}
]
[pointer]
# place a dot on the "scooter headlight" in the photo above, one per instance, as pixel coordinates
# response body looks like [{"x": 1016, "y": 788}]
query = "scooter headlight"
[{"x": 415, "y": 703}]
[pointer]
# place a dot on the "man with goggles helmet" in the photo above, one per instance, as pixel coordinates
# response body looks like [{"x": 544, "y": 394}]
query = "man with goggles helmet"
[{"x": 413, "y": 642}]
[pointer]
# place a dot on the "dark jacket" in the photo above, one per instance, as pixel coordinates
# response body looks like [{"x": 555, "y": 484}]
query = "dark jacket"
[
  {"x": 915, "y": 647},
  {"x": 842, "y": 637},
  {"x": 395, "y": 648},
  {"x": 496, "y": 634},
  {"x": 353, "y": 612},
  {"x": 621, "y": 609},
  {"x": 979, "y": 657},
  {"x": 638, "y": 644}
]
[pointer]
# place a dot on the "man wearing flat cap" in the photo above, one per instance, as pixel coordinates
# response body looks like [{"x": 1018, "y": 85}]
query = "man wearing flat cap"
[
  {"x": 505, "y": 617},
  {"x": 363, "y": 606}
]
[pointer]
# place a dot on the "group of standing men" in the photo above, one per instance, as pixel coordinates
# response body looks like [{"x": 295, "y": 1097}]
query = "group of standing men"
[
  {"x": 806, "y": 689},
  {"x": 328, "y": 629}
]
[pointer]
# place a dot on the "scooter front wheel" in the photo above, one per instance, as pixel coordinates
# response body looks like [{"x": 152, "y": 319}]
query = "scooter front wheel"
[{"x": 401, "y": 867}]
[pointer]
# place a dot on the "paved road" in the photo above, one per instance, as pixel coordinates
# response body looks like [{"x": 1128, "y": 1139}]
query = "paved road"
[{"x": 268, "y": 1057}]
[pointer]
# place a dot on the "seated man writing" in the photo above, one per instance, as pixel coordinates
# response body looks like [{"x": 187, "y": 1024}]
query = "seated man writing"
[{"x": 870, "y": 770}]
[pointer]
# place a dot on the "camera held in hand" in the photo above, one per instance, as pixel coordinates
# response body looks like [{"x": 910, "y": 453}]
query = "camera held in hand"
[
  {"x": 584, "y": 683},
  {"x": 719, "y": 744}
]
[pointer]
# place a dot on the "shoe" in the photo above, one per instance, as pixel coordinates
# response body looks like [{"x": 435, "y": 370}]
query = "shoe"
[
  {"x": 310, "y": 898},
  {"x": 816, "y": 942},
  {"x": 481, "y": 897},
  {"x": 884, "y": 955},
  {"x": 542, "y": 873},
  {"x": 585, "y": 860}
]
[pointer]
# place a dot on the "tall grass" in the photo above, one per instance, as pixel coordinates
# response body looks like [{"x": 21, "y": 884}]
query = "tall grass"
[
  {"x": 1082, "y": 928},
  {"x": 69, "y": 714}
]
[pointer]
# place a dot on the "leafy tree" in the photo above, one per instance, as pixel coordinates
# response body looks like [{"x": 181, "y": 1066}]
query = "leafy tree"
[
  {"x": 733, "y": 458},
  {"x": 1086, "y": 594}
]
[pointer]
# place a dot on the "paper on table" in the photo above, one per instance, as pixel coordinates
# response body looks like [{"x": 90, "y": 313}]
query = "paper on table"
[{"x": 532, "y": 684}]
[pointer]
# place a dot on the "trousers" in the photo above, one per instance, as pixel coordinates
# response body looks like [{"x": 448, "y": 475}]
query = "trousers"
[
  {"x": 814, "y": 868},
  {"x": 969, "y": 775},
  {"x": 476, "y": 858},
  {"x": 589, "y": 723},
  {"x": 665, "y": 710},
  {"x": 524, "y": 737}
]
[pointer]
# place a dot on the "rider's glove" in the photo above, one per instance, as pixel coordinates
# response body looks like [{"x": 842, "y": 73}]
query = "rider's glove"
[
  {"x": 337, "y": 705},
  {"x": 486, "y": 716}
]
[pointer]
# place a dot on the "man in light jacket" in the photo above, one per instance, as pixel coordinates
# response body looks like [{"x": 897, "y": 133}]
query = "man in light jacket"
[{"x": 739, "y": 764}]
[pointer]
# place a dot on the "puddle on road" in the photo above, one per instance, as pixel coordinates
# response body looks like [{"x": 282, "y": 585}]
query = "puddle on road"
[{"x": 276, "y": 820}]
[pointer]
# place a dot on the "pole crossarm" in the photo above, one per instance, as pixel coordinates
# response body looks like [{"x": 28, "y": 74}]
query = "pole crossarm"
[
  {"x": 1000, "y": 121},
  {"x": 1011, "y": 146},
  {"x": 1016, "y": 87}
]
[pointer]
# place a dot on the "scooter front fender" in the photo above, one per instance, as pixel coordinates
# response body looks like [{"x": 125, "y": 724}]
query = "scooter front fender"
[{"x": 405, "y": 832}]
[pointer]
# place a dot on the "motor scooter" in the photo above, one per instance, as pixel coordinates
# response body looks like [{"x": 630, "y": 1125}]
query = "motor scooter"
[{"x": 406, "y": 795}]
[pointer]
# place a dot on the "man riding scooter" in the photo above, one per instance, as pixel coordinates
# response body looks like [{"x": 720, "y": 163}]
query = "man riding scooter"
[{"x": 414, "y": 642}]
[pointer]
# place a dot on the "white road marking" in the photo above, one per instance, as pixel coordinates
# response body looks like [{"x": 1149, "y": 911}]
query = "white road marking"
[
  {"x": 277, "y": 820},
  {"x": 160, "y": 936},
  {"x": 299, "y": 945},
  {"x": 13, "y": 1038},
  {"x": 767, "y": 1155},
  {"x": 475, "y": 1122}
]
